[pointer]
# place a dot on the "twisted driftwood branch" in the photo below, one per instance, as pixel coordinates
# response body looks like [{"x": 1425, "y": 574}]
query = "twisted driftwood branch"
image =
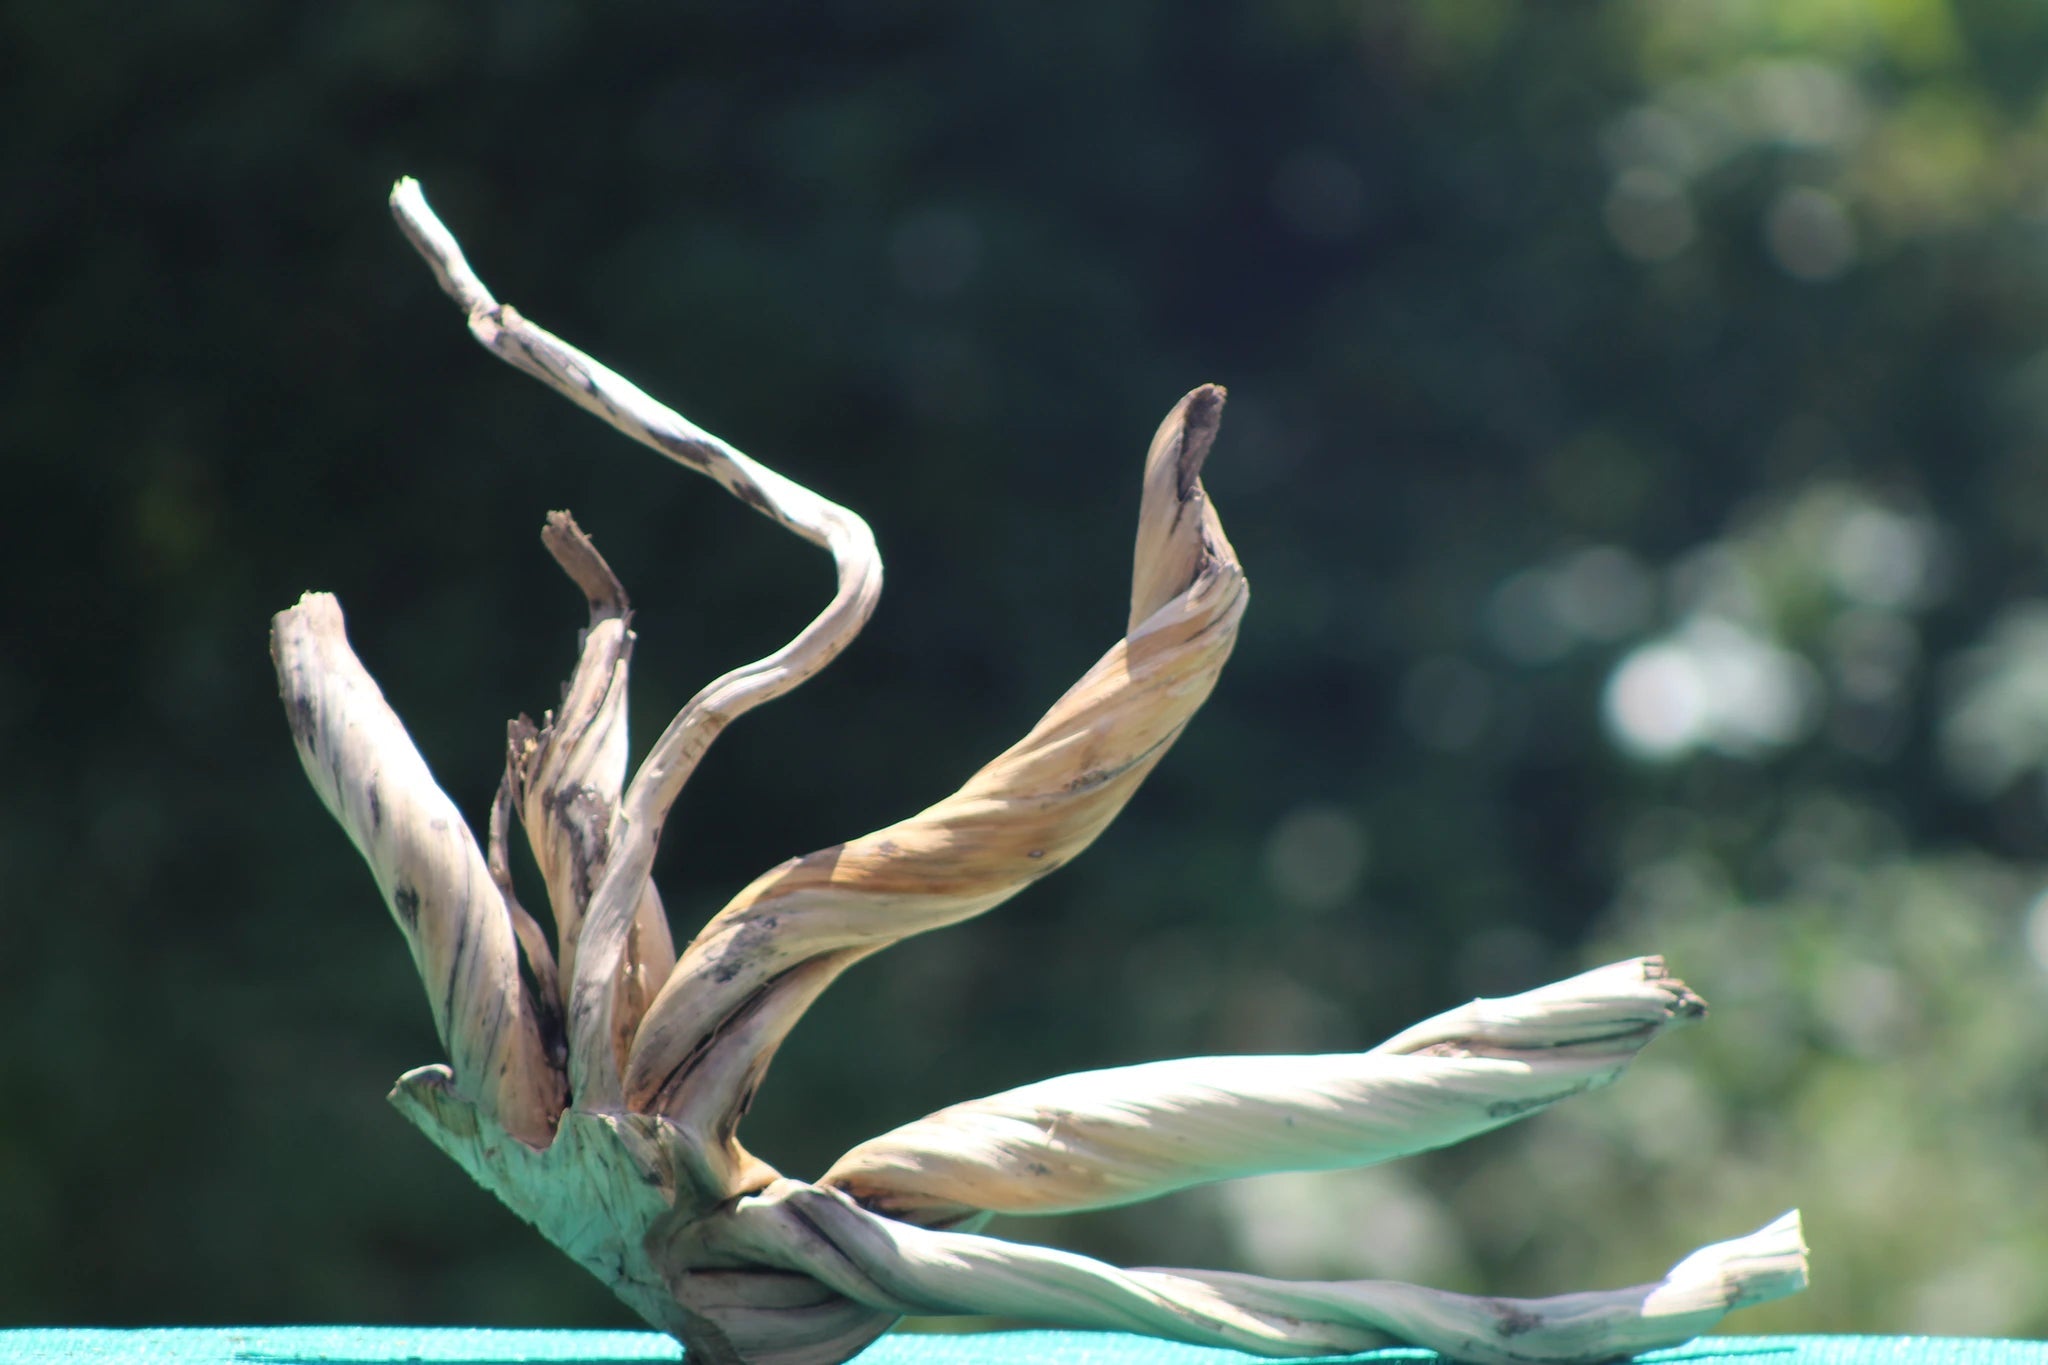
[
  {"x": 607, "y": 919},
  {"x": 1137, "y": 1132},
  {"x": 433, "y": 878},
  {"x": 600, "y": 1094},
  {"x": 907, "y": 1269}
]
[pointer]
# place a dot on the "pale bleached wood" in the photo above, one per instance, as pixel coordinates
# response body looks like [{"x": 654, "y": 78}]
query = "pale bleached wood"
[
  {"x": 1691, "y": 1298},
  {"x": 567, "y": 774},
  {"x": 642, "y": 1179},
  {"x": 907, "y": 1269},
  {"x": 426, "y": 864},
  {"x": 613, "y": 1194},
  {"x": 566, "y": 778},
  {"x": 736, "y": 989},
  {"x": 801, "y": 1274},
  {"x": 1103, "y": 1138},
  {"x": 594, "y": 1064}
]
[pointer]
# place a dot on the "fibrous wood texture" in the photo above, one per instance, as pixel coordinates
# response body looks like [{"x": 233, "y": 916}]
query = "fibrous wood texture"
[{"x": 599, "y": 1091}]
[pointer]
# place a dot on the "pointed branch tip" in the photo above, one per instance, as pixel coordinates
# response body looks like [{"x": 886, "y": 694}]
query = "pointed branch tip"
[
  {"x": 1199, "y": 423},
  {"x": 573, "y": 549}
]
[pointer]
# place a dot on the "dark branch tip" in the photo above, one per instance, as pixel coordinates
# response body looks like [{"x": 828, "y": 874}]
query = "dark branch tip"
[{"x": 1201, "y": 416}]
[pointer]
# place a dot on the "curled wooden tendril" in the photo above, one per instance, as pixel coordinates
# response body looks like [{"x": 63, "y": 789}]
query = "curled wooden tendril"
[{"x": 596, "y": 1078}]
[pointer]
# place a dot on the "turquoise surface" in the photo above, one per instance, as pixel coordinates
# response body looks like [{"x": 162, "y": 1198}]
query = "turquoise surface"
[{"x": 492, "y": 1346}]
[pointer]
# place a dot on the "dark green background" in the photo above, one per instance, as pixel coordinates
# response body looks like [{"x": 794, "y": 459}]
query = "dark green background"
[{"x": 1746, "y": 302}]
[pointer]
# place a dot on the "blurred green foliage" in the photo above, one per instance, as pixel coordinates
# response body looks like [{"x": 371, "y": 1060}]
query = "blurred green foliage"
[{"x": 1638, "y": 445}]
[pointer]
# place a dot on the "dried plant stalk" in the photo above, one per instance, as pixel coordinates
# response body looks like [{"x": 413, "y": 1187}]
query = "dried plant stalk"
[{"x": 600, "y": 1094}]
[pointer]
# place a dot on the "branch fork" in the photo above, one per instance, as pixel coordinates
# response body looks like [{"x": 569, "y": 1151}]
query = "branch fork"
[{"x": 597, "y": 1075}]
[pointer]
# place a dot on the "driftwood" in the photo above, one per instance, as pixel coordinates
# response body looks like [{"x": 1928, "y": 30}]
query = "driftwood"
[{"x": 596, "y": 1081}]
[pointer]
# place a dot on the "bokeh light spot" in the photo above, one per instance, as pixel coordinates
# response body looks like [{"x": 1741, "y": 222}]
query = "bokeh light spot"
[
  {"x": 1809, "y": 234},
  {"x": 1316, "y": 856},
  {"x": 1649, "y": 215}
]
